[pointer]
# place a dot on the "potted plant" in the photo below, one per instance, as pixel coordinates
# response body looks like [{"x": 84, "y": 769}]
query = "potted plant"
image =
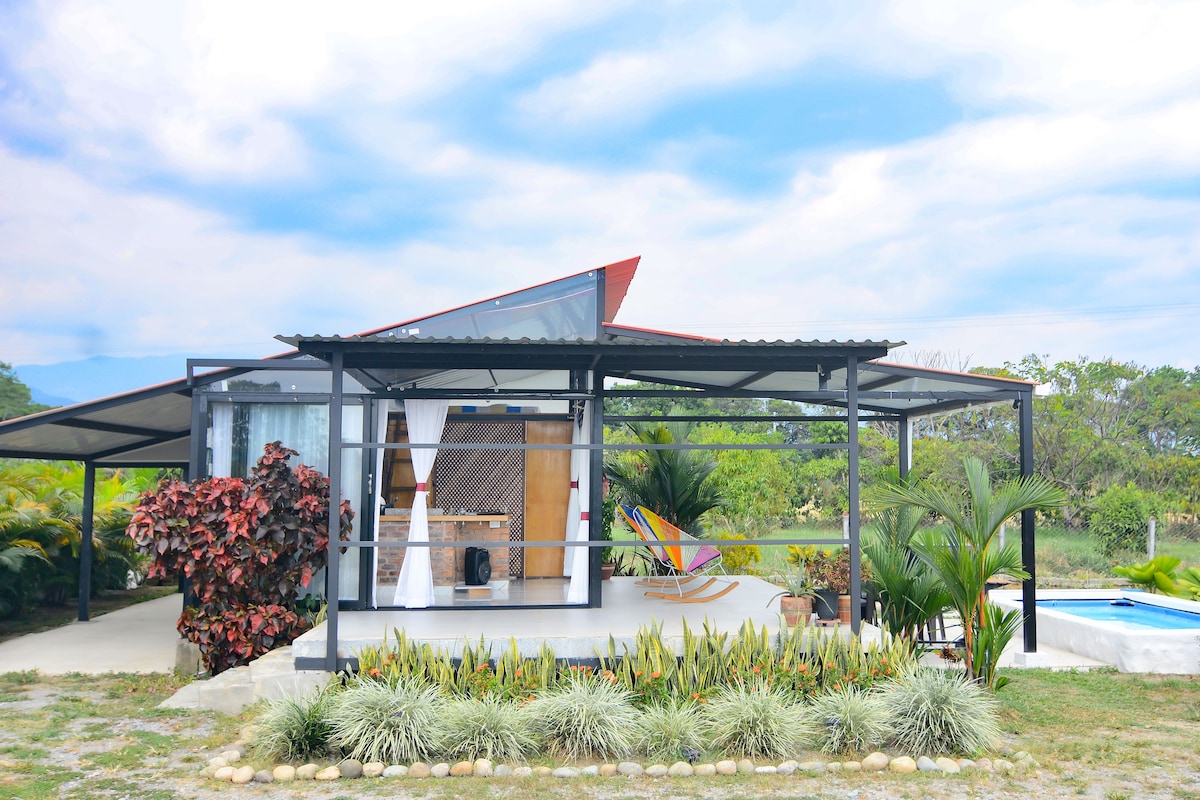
[
  {"x": 830, "y": 571},
  {"x": 796, "y": 601}
]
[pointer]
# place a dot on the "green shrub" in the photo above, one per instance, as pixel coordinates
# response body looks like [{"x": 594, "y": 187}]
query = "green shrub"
[
  {"x": 374, "y": 721},
  {"x": 849, "y": 721},
  {"x": 937, "y": 711},
  {"x": 756, "y": 721},
  {"x": 489, "y": 728},
  {"x": 296, "y": 729},
  {"x": 739, "y": 559},
  {"x": 586, "y": 718},
  {"x": 665, "y": 732},
  {"x": 1120, "y": 518}
]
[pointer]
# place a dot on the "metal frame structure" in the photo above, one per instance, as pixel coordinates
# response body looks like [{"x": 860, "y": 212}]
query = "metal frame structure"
[{"x": 838, "y": 375}]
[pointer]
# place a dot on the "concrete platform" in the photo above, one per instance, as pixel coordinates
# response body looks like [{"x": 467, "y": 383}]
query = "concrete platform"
[
  {"x": 137, "y": 638},
  {"x": 574, "y": 633}
]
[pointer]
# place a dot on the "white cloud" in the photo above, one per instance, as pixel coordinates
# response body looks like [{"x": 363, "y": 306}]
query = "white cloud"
[
  {"x": 213, "y": 89},
  {"x": 1057, "y": 53},
  {"x": 912, "y": 240},
  {"x": 616, "y": 88}
]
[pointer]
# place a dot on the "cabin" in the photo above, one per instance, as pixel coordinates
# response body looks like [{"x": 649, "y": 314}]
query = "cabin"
[{"x": 473, "y": 438}]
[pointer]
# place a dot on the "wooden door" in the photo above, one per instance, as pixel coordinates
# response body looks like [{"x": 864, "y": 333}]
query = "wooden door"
[{"x": 547, "y": 493}]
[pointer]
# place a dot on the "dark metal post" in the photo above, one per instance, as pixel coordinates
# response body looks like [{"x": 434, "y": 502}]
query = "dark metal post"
[
  {"x": 596, "y": 490},
  {"x": 852, "y": 493},
  {"x": 335, "y": 517},
  {"x": 85, "y": 538},
  {"x": 1029, "y": 586},
  {"x": 904, "y": 440}
]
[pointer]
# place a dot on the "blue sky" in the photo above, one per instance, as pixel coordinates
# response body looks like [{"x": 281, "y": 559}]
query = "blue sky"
[{"x": 983, "y": 181}]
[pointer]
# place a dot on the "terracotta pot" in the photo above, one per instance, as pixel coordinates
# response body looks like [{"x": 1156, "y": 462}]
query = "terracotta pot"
[
  {"x": 607, "y": 568},
  {"x": 795, "y": 610},
  {"x": 826, "y": 604},
  {"x": 843, "y": 609}
]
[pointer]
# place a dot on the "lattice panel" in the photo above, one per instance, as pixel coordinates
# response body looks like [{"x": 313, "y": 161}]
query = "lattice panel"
[{"x": 485, "y": 480}]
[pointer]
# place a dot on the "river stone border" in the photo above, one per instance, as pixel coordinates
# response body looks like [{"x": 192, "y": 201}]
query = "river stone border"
[{"x": 221, "y": 768}]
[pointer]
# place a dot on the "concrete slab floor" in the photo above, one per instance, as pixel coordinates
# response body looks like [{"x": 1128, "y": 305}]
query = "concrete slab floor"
[{"x": 137, "y": 638}]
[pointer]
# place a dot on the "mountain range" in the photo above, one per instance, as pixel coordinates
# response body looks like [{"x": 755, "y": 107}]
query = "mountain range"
[{"x": 70, "y": 382}]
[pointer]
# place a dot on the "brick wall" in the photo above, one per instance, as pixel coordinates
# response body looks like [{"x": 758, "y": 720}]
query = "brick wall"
[{"x": 447, "y": 562}]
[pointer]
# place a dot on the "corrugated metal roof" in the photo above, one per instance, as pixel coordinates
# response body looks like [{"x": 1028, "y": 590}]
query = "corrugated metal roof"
[{"x": 297, "y": 340}]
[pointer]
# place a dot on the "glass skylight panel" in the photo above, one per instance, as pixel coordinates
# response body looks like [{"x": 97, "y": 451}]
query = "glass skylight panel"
[{"x": 563, "y": 309}]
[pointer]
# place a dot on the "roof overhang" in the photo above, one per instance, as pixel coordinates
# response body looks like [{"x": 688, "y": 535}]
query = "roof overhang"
[{"x": 148, "y": 427}]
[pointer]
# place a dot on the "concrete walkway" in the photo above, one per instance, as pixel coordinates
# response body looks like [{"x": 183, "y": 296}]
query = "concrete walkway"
[{"x": 137, "y": 638}]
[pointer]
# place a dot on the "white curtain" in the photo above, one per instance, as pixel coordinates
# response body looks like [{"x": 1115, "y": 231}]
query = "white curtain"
[
  {"x": 352, "y": 481},
  {"x": 304, "y": 427},
  {"x": 222, "y": 440},
  {"x": 426, "y": 419},
  {"x": 381, "y": 421},
  {"x": 577, "y": 458},
  {"x": 577, "y": 590}
]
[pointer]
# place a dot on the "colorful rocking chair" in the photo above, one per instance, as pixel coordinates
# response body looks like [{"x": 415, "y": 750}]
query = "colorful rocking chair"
[{"x": 685, "y": 560}]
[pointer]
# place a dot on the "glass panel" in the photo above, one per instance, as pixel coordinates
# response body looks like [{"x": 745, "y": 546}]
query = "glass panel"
[
  {"x": 238, "y": 432},
  {"x": 274, "y": 381},
  {"x": 352, "y": 476},
  {"x": 563, "y": 309}
]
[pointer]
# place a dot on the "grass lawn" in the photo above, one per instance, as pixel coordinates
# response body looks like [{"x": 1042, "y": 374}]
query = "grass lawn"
[{"x": 1099, "y": 734}]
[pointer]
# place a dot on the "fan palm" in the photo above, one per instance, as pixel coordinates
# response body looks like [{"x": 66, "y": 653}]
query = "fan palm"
[{"x": 966, "y": 556}]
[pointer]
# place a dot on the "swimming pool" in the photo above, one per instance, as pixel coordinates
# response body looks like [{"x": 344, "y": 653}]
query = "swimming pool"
[
  {"x": 1135, "y": 631},
  {"x": 1131, "y": 614}
]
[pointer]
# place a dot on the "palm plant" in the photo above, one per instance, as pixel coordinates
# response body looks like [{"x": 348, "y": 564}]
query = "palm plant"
[
  {"x": 41, "y": 524},
  {"x": 910, "y": 592},
  {"x": 672, "y": 483},
  {"x": 966, "y": 557},
  {"x": 29, "y": 529}
]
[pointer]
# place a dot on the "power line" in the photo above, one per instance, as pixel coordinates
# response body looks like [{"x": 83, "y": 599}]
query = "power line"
[{"x": 999, "y": 319}]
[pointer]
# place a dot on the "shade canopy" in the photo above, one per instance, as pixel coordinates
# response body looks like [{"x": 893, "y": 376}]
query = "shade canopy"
[{"x": 532, "y": 337}]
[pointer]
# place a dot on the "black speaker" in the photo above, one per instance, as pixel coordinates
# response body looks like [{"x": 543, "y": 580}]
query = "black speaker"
[{"x": 478, "y": 566}]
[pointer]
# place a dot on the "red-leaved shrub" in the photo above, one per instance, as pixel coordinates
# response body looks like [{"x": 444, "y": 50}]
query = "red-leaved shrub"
[{"x": 249, "y": 547}]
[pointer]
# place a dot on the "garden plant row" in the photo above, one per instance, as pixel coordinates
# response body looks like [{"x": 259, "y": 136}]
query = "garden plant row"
[{"x": 774, "y": 702}]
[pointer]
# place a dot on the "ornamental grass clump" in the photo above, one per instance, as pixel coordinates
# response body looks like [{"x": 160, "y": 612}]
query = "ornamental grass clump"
[
  {"x": 374, "y": 721},
  {"x": 755, "y": 721},
  {"x": 586, "y": 718},
  {"x": 489, "y": 728},
  {"x": 849, "y": 721},
  {"x": 936, "y": 711},
  {"x": 296, "y": 729},
  {"x": 669, "y": 731}
]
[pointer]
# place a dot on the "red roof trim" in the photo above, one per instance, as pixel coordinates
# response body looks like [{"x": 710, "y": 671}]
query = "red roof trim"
[{"x": 616, "y": 283}]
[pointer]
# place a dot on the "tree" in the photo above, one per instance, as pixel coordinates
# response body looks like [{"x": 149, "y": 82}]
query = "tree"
[
  {"x": 1085, "y": 428},
  {"x": 755, "y": 486},
  {"x": 15, "y": 398},
  {"x": 966, "y": 557}
]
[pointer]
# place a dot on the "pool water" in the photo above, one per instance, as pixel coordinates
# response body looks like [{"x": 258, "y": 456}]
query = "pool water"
[{"x": 1127, "y": 613}]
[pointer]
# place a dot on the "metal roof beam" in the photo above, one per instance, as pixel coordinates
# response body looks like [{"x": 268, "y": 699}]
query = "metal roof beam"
[
  {"x": 110, "y": 427},
  {"x": 879, "y": 382},
  {"x": 116, "y": 451},
  {"x": 731, "y": 418},
  {"x": 755, "y": 378}
]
